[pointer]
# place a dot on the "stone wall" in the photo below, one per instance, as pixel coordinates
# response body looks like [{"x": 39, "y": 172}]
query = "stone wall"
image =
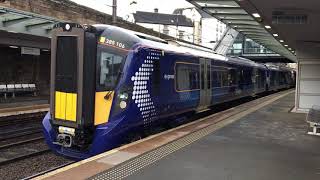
[{"x": 70, "y": 11}]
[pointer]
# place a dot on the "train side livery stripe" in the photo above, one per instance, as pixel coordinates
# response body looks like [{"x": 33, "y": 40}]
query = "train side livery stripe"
[
  {"x": 102, "y": 107},
  {"x": 65, "y": 106}
]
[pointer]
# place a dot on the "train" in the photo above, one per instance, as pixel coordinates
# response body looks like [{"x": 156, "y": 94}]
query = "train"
[{"x": 110, "y": 84}]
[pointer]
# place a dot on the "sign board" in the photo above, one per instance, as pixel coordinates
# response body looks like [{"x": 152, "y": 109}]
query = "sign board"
[{"x": 30, "y": 51}]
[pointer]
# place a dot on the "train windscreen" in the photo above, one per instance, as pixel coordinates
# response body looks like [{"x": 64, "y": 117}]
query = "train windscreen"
[
  {"x": 66, "y": 64},
  {"x": 109, "y": 65}
]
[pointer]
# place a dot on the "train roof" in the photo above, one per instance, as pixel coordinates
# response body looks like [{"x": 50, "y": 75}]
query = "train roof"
[{"x": 178, "y": 46}]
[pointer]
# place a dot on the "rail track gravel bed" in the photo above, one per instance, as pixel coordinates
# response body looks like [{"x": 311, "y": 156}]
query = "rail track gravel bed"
[
  {"x": 21, "y": 119},
  {"x": 31, "y": 166}
]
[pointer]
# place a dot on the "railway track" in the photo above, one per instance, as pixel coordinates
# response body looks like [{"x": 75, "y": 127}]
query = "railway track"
[
  {"x": 20, "y": 142},
  {"x": 20, "y": 133},
  {"x": 16, "y": 151},
  {"x": 20, "y": 128},
  {"x": 21, "y": 119},
  {"x": 21, "y": 137}
]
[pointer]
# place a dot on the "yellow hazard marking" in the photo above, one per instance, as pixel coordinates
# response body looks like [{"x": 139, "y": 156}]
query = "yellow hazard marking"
[{"x": 102, "y": 107}]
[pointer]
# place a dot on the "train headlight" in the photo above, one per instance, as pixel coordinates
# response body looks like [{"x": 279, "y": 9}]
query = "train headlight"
[
  {"x": 123, "y": 104},
  {"x": 123, "y": 96}
]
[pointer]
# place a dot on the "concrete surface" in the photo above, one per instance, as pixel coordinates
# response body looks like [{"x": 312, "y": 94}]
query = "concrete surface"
[{"x": 267, "y": 144}]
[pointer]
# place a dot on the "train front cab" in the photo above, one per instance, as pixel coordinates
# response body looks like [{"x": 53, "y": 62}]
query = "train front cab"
[{"x": 83, "y": 87}]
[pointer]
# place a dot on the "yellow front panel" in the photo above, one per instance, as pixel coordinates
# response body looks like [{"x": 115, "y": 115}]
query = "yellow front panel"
[
  {"x": 71, "y": 106},
  {"x": 63, "y": 97},
  {"x": 65, "y": 106},
  {"x": 57, "y": 109},
  {"x": 102, "y": 107}
]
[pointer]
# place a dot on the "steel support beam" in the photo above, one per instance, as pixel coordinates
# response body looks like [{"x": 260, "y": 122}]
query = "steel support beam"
[
  {"x": 222, "y": 8},
  {"x": 38, "y": 25},
  {"x": 14, "y": 21}
]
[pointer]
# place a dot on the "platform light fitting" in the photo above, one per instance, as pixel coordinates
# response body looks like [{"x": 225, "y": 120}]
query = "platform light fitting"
[
  {"x": 67, "y": 27},
  {"x": 286, "y": 45},
  {"x": 289, "y": 48},
  {"x": 256, "y": 15},
  {"x": 267, "y": 27},
  {"x": 281, "y": 40},
  {"x": 14, "y": 47},
  {"x": 275, "y": 35}
]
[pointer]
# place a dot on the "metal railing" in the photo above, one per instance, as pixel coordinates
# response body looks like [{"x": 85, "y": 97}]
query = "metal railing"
[{"x": 256, "y": 51}]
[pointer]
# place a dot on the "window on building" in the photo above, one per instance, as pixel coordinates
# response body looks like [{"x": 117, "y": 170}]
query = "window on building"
[{"x": 187, "y": 77}]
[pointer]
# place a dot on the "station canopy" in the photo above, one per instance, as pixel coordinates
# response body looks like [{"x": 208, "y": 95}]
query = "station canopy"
[
  {"x": 16, "y": 21},
  {"x": 249, "y": 24}
]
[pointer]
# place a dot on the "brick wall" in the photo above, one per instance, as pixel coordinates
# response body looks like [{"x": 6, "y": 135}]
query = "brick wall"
[{"x": 70, "y": 11}]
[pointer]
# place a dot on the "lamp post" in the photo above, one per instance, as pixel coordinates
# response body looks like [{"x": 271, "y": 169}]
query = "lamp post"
[{"x": 114, "y": 11}]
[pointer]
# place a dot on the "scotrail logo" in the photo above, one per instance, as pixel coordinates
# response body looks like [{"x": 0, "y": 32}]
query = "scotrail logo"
[{"x": 168, "y": 76}]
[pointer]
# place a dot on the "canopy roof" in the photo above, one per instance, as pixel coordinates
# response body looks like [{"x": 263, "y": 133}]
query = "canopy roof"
[
  {"x": 24, "y": 22},
  {"x": 233, "y": 15}
]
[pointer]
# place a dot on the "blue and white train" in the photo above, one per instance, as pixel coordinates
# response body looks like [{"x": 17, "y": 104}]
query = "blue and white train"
[{"x": 109, "y": 84}]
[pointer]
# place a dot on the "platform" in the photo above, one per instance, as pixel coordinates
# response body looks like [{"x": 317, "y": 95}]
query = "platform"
[
  {"x": 260, "y": 139},
  {"x": 24, "y": 105}
]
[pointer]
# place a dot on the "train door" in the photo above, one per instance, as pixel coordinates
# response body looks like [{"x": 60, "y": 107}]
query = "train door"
[{"x": 205, "y": 84}]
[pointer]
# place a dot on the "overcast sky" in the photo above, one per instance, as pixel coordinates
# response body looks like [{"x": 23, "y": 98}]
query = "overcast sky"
[
  {"x": 164, "y": 6},
  {"x": 124, "y": 7}
]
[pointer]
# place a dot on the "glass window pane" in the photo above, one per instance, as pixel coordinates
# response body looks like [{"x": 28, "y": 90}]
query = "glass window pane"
[
  {"x": 187, "y": 77},
  {"x": 110, "y": 66}
]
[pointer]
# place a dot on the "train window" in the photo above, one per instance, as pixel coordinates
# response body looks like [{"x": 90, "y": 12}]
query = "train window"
[
  {"x": 233, "y": 77},
  {"x": 261, "y": 78},
  {"x": 225, "y": 78},
  {"x": 246, "y": 76},
  {"x": 208, "y": 77},
  {"x": 110, "y": 66},
  {"x": 216, "y": 77},
  {"x": 273, "y": 78},
  {"x": 187, "y": 77},
  {"x": 220, "y": 76},
  {"x": 66, "y": 64},
  {"x": 202, "y": 76}
]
